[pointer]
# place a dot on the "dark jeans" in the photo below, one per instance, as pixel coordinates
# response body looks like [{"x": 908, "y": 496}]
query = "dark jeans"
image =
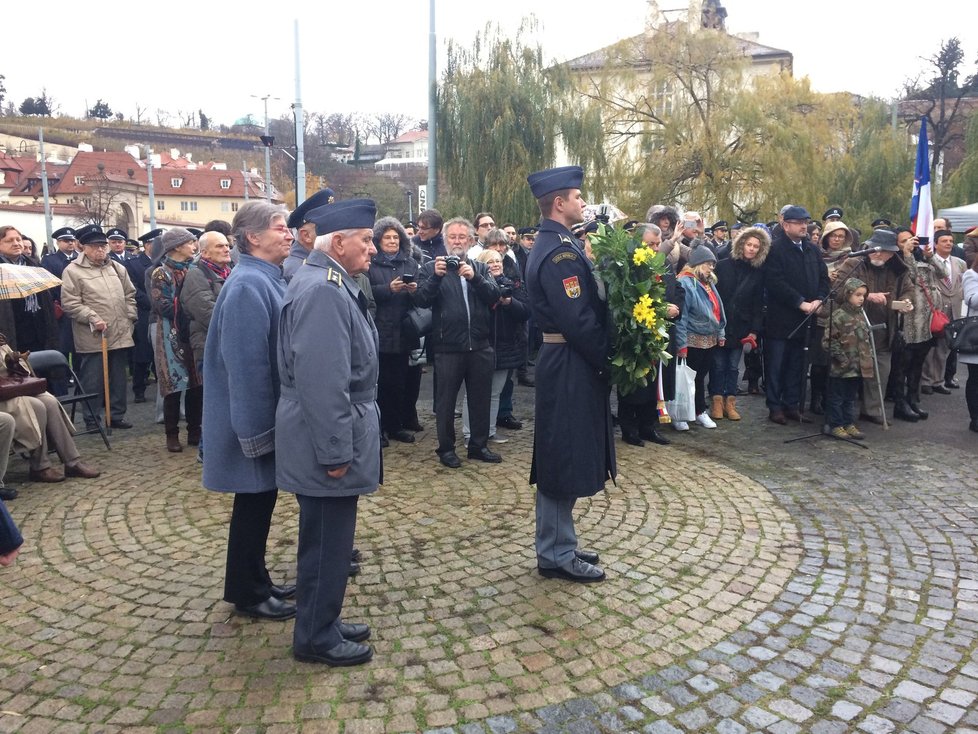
[
  {"x": 783, "y": 367},
  {"x": 971, "y": 391},
  {"x": 506, "y": 398},
  {"x": 841, "y": 401},
  {"x": 193, "y": 406},
  {"x": 700, "y": 360},
  {"x": 475, "y": 370},
  {"x": 246, "y": 580},
  {"x": 725, "y": 370}
]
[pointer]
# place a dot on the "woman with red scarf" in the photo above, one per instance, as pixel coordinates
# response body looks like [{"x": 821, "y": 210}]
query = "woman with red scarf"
[
  {"x": 702, "y": 326},
  {"x": 203, "y": 283}
]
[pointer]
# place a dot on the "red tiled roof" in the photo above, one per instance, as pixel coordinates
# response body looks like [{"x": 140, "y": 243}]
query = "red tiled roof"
[{"x": 410, "y": 136}]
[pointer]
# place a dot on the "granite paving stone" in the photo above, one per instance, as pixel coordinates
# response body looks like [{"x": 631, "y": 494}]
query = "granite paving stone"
[{"x": 804, "y": 587}]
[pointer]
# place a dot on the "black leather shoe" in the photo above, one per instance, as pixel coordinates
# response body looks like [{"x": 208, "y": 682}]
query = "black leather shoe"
[
  {"x": 632, "y": 439},
  {"x": 344, "y": 654},
  {"x": 404, "y": 436},
  {"x": 926, "y": 390},
  {"x": 8, "y": 493},
  {"x": 139, "y": 399},
  {"x": 587, "y": 556},
  {"x": 941, "y": 389},
  {"x": 509, "y": 422},
  {"x": 922, "y": 414},
  {"x": 903, "y": 412},
  {"x": 776, "y": 416},
  {"x": 122, "y": 423},
  {"x": 354, "y": 632},
  {"x": 650, "y": 434},
  {"x": 577, "y": 571},
  {"x": 490, "y": 457},
  {"x": 354, "y": 568},
  {"x": 450, "y": 459},
  {"x": 283, "y": 592},
  {"x": 356, "y": 556},
  {"x": 952, "y": 383},
  {"x": 415, "y": 426},
  {"x": 271, "y": 608}
]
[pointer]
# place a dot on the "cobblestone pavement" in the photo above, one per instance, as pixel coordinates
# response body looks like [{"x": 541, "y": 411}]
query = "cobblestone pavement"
[{"x": 753, "y": 586}]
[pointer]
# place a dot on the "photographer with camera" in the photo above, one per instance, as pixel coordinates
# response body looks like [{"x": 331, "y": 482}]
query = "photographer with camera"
[{"x": 460, "y": 294}]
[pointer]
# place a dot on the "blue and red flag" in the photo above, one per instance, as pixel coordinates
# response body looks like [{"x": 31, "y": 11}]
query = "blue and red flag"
[{"x": 921, "y": 209}]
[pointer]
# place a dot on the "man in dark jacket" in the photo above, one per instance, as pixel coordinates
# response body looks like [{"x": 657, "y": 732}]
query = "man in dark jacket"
[
  {"x": 460, "y": 294},
  {"x": 56, "y": 262},
  {"x": 573, "y": 444},
  {"x": 796, "y": 282}
]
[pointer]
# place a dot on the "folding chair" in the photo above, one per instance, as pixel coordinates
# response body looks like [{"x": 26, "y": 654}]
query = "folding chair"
[{"x": 53, "y": 365}]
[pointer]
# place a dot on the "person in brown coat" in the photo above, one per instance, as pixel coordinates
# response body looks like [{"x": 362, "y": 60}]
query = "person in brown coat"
[{"x": 101, "y": 300}]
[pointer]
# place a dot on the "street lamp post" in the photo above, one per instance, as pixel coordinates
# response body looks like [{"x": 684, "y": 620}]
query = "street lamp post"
[{"x": 268, "y": 147}]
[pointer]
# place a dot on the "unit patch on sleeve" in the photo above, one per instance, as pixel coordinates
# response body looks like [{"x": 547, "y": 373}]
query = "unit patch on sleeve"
[
  {"x": 560, "y": 256},
  {"x": 572, "y": 287}
]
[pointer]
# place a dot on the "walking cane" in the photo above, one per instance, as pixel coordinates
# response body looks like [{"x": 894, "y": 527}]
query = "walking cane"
[
  {"x": 876, "y": 367},
  {"x": 105, "y": 379}
]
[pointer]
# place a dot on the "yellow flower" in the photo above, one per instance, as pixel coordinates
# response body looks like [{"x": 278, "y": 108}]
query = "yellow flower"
[
  {"x": 641, "y": 255},
  {"x": 644, "y": 313}
]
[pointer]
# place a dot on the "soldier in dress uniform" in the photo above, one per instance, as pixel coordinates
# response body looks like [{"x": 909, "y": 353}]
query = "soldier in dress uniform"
[
  {"x": 327, "y": 426},
  {"x": 117, "y": 244},
  {"x": 138, "y": 266},
  {"x": 573, "y": 442},
  {"x": 304, "y": 230},
  {"x": 56, "y": 262}
]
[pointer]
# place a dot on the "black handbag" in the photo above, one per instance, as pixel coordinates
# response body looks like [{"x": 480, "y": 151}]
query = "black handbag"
[
  {"x": 418, "y": 321},
  {"x": 962, "y": 335}
]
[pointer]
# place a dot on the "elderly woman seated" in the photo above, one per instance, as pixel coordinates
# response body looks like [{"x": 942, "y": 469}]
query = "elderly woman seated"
[{"x": 41, "y": 422}]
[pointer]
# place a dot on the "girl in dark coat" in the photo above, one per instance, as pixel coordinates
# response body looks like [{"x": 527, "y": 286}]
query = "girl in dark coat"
[
  {"x": 740, "y": 283},
  {"x": 393, "y": 273}
]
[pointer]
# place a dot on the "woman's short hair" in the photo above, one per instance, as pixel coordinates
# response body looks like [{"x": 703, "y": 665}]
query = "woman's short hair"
[
  {"x": 254, "y": 217},
  {"x": 497, "y": 237}
]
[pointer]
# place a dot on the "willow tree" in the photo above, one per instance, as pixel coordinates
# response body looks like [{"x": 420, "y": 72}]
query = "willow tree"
[
  {"x": 500, "y": 113},
  {"x": 667, "y": 101},
  {"x": 962, "y": 185}
]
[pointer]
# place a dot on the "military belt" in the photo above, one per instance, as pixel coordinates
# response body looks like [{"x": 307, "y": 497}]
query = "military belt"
[{"x": 554, "y": 338}]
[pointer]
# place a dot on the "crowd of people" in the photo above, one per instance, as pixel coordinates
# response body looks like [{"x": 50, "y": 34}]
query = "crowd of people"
[{"x": 293, "y": 343}]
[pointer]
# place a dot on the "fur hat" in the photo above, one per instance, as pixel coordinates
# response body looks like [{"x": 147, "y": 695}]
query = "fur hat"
[{"x": 737, "y": 249}]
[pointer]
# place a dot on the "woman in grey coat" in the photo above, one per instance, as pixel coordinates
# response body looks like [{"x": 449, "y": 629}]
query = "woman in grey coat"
[{"x": 239, "y": 405}]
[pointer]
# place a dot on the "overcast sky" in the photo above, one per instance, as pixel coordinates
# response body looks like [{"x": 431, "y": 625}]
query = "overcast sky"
[{"x": 372, "y": 55}]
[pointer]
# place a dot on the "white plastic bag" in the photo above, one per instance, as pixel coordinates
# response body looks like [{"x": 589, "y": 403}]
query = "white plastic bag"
[{"x": 683, "y": 408}]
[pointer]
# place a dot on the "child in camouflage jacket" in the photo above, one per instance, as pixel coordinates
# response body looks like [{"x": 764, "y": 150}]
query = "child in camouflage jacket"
[{"x": 847, "y": 342}]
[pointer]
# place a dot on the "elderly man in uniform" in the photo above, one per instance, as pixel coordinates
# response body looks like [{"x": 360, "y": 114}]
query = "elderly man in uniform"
[
  {"x": 573, "y": 442},
  {"x": 327, "y": 426},
  {"x": 304, "y": 230}
]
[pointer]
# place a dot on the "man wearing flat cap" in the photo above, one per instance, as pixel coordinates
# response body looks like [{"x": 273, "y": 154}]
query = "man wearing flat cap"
[
  {"x": 327, "y": 426},
  {"x": 796, "y": 282},
  {"x": 573, "y": 444},
  {"x": 98, "y": 295}
]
